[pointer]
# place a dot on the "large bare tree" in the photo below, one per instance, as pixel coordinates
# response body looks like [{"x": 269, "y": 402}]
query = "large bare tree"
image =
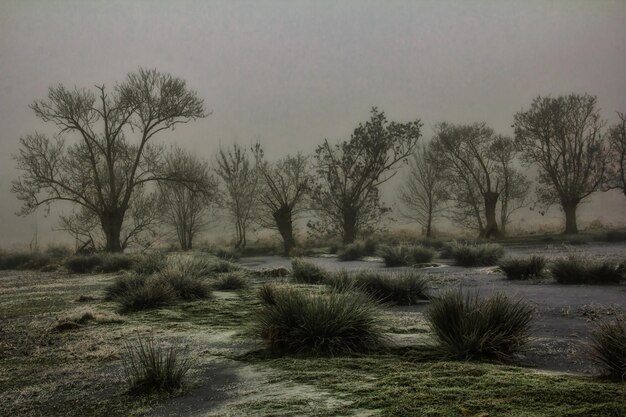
[
  {"x": 185, "y": 207},
  {"x": 346, "y": 196},
  {"x": 423, "y": 191},
  {"x": 240, "y": 177},
  {"x": 92, "y": 162},
  {"x": 563, "y": 137},
  {"x": 472, "y": 171},
  {"x": 284, "y": 185},
  {"x": 616, "y": 175}
]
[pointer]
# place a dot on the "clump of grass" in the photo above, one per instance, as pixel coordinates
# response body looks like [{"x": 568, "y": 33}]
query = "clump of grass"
[
  {"x": 149, "y": 367},
  {"x": 268, "y": 293},
  {"x": 271, "y": 272},
  {"x": 140, "y": 292},
  {"x": 578, "y": 270},
  {"x": 227, "y": 254},
  {"x": 485, "y": 254},
  {"x": 340, "y": 281},
  {"x": 82, "y": 264},
  {"x": 405, "y": 255},
  {"x": 231, "y": 281},
  {"x": 523, "y": 268},
  {"x": 77, "y": 318},
  {"x": 404, "y": 288},
  {"x": 307, "y": 272},
  {"x": 187, "y": 288},
  {"x": 24, "y": 260},
  {"x": 186, "y": 277},
  {"x": 332, "y": 323},
  {"x": 467, "y": 327},
  {"x": 124, "y": 284},
  {"x": 608, "y": 347},
  {"x": 150, "y": 263},
  {"x": 357, "y": 250}
]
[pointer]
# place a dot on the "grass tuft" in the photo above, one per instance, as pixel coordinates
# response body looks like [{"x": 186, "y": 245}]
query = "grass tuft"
[
  {"x": 608, "y": 347},
  {"x": 404, "y": 288},
  {"x": 357, "y": 250},
  {"x": 467, "y": 327},
  {"x": 307, "y": 272},
  {"x": 405, "y": 255},
  {"x": 331, "y": 323},
  {"x": 231, "y": 281},
  {"x": 140, "y": 292},
  {"x": 485, "y": 254},
  {"x": 151, "y": 368},
  {"x": 522, "y": 268},
  {"x": 578, "y": 270}
]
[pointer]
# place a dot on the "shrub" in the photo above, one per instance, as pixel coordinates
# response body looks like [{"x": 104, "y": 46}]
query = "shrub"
[
  {"x": 405, "y": 255},
  {"x": 321, "y": 323},
  {"x": 404, "y": 288},
  {"x": 231, "y": 281},
  {"x": 151, "y": 368},
  {"x": 357, "y": 250},
  {"x": 153, "y": 293},
  {"x": 577, "y": 270},
  {"x": 616, "y": 236},
  {"x": 467, "y": 327},
  {"x": 608, "y": 347},
  {"x": 523, "y": 268},
  {"x": 476, "y": 255},
  {"x": 307, "y": 272}
]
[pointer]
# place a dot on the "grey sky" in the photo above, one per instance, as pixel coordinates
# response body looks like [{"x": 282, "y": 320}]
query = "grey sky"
[{"x": 293, "y": 72}]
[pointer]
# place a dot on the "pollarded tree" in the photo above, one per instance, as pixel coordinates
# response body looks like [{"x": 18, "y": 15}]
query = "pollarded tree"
[
  {"x": 472, "y": 171},
  {"x": 423, "y": 191},
  {"x": 345, "y": 196},
  {"x": 562, "y": 136},
  {"x": 240, "y": 176},
  {"x": 92, "y": 162},
  {"x": 616, "y": 175},
  {"x": 185, "y": 207},
  {"x": 284, "y": 184}
]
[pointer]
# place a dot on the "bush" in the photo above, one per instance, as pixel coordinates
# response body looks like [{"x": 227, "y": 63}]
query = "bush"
[
  {"x": 616, "y": 236},
  {"x": 405, "y": 255},
  {"x": 467, "y": 327},
  {"x": 357, "y": 250},
  {"x": 523, "y": 268},
  {"x": 231, "y": 281},
  {"x": 307, "y": 272},
  {"x": 404, "y": 288},
  {"x": 321, "y": 323},
  {"x": 577, "y": 270},
  {"x": 24, "y": 260},
  {"x": 153, "y": 293},
  {"x": 476, "y": 255},
  {"x": 151, "y": 368},
  {"x": 608, "y": 348}
]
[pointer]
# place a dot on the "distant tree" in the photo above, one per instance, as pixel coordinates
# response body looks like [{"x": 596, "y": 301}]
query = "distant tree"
[
  {"x": 423, "y": 191},
  {"x": 101, "y": 171},
  {"x": 345, "y": 195},
  {"x": 562, "y": 136},
  {"x": 240, "y": 177},
  {"x": 284, "y": 185},
  {"x": 185, "y": 207},
  {"x": 473, "y": 172},
  {"x": 515, "y": 185},
  {"x": 616, "y": 176}
]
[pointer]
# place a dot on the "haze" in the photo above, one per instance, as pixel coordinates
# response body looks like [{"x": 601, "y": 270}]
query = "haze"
[{"x": 293, "y": 73}]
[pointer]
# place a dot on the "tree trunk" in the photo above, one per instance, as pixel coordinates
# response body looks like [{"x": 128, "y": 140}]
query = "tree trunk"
[
  {"x": 491, "y": 228},
  {"x": 569, "y": 207},
  {"x": 349, "y": 225},
  {"x": 429, "y": 225},
  {"x": 283, "y": 218},
  {"x": 112, "y": 227}
]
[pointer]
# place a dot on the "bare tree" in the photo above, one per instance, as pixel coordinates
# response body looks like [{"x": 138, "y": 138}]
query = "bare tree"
[
  {"x": 616, "y": 175},
  {"x": 423, "y": 191},
  {"x": 515, "y": 185},
  {"x": 473, "y": 173},
  {"x": 185, "y": 207},
  {"x": 345, "y": 196},
  {"x": 102, "y": 169},
  {"x": 563, "y": 137},
  {"x": 284, "y": 186},
  {"x": 241, "y": 179}
]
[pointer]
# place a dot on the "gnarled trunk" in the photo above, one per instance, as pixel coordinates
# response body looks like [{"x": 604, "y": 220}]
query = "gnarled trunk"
[
  {"x": 569, "y": 207},
  {"x": 111, "y": 222},
  {"x": 491, "y": 228},
  {"x": 349, "y": 225},
  {"x": 284, "y": 223}
]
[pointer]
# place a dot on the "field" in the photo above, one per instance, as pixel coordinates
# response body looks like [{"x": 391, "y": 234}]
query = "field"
[{"x": 50, "y": 370}]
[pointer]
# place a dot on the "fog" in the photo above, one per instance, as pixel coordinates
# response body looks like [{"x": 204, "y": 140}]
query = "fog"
[{"x": 290, "y": 74}]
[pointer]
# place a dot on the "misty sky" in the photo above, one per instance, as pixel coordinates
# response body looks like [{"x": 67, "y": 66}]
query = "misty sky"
[{"x": 291, "y": 73}]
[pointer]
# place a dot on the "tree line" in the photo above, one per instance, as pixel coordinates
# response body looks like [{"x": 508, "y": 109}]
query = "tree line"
[{"x": 123, "y": 187}]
